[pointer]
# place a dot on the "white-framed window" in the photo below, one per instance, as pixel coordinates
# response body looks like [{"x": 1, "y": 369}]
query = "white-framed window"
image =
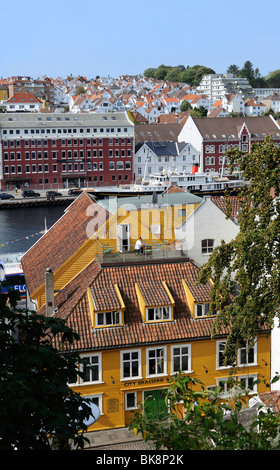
[
  {"x": 156, "y": 361},
  {"x": 97, "y": 399},
  {"x": 158, "y": 313},
  {"x": 248, "y": 383},
  {"x": 181, "y": 358},
  {"x": 131, "y": 364},
  {"x": 201, "y": 309},
  {"x": 207, "y": 246},
  {"x": 112, "y": 318},
  {"x": 220, "y": 347},
  {"x": 92, "y": 368},
  {"x": 247, "y": 356},
  {"x": 130, "y": 400}
]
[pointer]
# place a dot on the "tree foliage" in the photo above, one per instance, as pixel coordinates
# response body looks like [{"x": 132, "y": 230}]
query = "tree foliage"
[
  {"x": 38, "y": 410},
  {"x": 180, "y": 73},
  {"x": 246, "y": 271},
  {"x": 254, "y": 76},
  {"x": 207, "y": 422},
  {"x": 193, "y": 75}
]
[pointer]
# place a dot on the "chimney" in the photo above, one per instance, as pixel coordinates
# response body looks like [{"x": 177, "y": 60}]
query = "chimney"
[{"x": 49, "y": 286}]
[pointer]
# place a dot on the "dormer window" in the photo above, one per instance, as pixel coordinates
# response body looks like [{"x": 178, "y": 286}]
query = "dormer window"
[
  {"x": 113, "y": 318},
  {"x": 106, "y": 306},
  {"x": 156, "y": 304},
  {"x": 201, "y": 309},
  {"x": 158, "y": 313}
]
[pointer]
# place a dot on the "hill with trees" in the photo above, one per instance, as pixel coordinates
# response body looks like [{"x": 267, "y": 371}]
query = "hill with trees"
[{"x": 192, "y": 75}]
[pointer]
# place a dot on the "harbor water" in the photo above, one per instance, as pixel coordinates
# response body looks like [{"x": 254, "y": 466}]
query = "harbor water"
[{"x": 22, "y": 227}]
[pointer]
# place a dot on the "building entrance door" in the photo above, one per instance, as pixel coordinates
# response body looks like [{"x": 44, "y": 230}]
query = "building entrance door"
[{"x": 155, "y": 402}]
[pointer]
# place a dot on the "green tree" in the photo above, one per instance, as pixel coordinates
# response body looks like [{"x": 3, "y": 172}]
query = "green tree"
[
  {"x": 185, "y": 106},
  {"x": 38, "y": 410},
  {"x": 201, "y": 111},
  {"x": 149, "y": 73},
  {"x": 246, "y": 271},
  {"x": 173, "y": 75},
  {"x": 206, "y": 423},
  {"x": 80, "y": 90},
  {"x": 233, "y": 69},
  {"x": 273, "y": 79}
]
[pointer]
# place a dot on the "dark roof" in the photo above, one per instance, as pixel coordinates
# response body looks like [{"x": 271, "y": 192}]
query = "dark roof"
[
  {"x": 156, "y": 132},
  {"x": 166, "y": 148},
  {"x": 229, "y": 127}
]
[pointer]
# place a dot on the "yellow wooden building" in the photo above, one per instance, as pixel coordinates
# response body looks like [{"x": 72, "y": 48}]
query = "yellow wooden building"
[
  {"x": 107, "y": 231},
  {"x": 140, "y": 319}
]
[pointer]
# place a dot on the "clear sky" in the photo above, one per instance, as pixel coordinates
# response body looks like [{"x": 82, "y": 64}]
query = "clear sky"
[{"x": 115, "y": 37}]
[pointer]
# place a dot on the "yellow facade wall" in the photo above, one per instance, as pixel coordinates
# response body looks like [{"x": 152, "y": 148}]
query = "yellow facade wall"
[
  {"x": 139, "y": 222},
  {"x": 203, "y": 367}
]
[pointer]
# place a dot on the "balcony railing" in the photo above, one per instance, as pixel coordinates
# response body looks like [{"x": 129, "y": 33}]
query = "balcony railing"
[{"x": 108, "y": 254}]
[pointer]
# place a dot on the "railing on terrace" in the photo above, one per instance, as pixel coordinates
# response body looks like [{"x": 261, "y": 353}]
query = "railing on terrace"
[{"x": 108, "y": 254}]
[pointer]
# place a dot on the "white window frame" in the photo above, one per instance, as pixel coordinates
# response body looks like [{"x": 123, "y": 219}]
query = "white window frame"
[
  {"x": 130, "y": 361},
  {"x": 134, "y": 407},
  {"x": 219, "y": 346},
  {"x": 209, "y": 248},
  {"x": 180, "y": 356},
  {"x": 246, "y": 351},
  {"x": 150, "y": 359},
  {"x": 113, "y": 315},
  {"x": 239, "y": 379},
  {"x": 205, "y": 307},
  {"x": 99, "y": 365},
  {"x": 99, "y": 397},
  {"x": 158, "y": 314}
]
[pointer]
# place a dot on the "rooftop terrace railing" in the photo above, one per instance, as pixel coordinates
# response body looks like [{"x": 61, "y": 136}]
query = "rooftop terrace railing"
[{"x": 108, "y": 254}]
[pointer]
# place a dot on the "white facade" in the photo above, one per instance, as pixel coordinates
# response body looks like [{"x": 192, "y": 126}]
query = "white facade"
[
  {"x": 215, "y": 86},
  {"x": 60, "y": 97},
  {"x": 190, "y": 133},
  {"x": 233, "y": 103},
  {"x": 261, "y": 93},
  {"x": 206, "y": 222},
  {"x": 156, "y": 157},
  {"x": 30, "y": 106},
  {"x": 252, "y": 108}
]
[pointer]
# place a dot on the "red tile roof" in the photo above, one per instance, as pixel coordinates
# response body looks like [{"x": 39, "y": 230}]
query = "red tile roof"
[
  {"x": 59, "y": 243},
  {"x": 134, "y": 332},
  {"x": 23, "y": 98},
  {"x": 221, "y": 204}
]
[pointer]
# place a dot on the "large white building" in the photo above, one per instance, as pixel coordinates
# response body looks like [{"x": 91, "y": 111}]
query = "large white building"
[{"x": 216, "y": 85}]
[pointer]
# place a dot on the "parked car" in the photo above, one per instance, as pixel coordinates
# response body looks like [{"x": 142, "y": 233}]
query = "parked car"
[
  {"x": 74, "y": 191},
  {"x": 6, "y": 196},
  {"x": 53, "y": 194},
  {"x": 30, "y": 193}
]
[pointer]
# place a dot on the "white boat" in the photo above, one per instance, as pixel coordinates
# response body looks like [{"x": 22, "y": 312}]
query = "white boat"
[
  {"x": 12, "y": 272},
  {"x": 196, "y": 182}
]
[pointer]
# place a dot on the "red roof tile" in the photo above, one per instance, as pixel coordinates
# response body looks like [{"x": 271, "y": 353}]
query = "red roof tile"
[
  {"x": 59, "y": 243},
  {"x": 134, "y": 331}
]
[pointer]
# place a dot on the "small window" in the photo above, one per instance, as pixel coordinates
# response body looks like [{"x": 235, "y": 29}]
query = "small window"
[
  {"x": 202, "y": 309},
  {"x": 181, "y": 212},
  {"x": 158, "y": 314},
  {"x": 207, "y": 246},
  {"x": 130, "y": 401},
  {"x": 108, "y": 318}
]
